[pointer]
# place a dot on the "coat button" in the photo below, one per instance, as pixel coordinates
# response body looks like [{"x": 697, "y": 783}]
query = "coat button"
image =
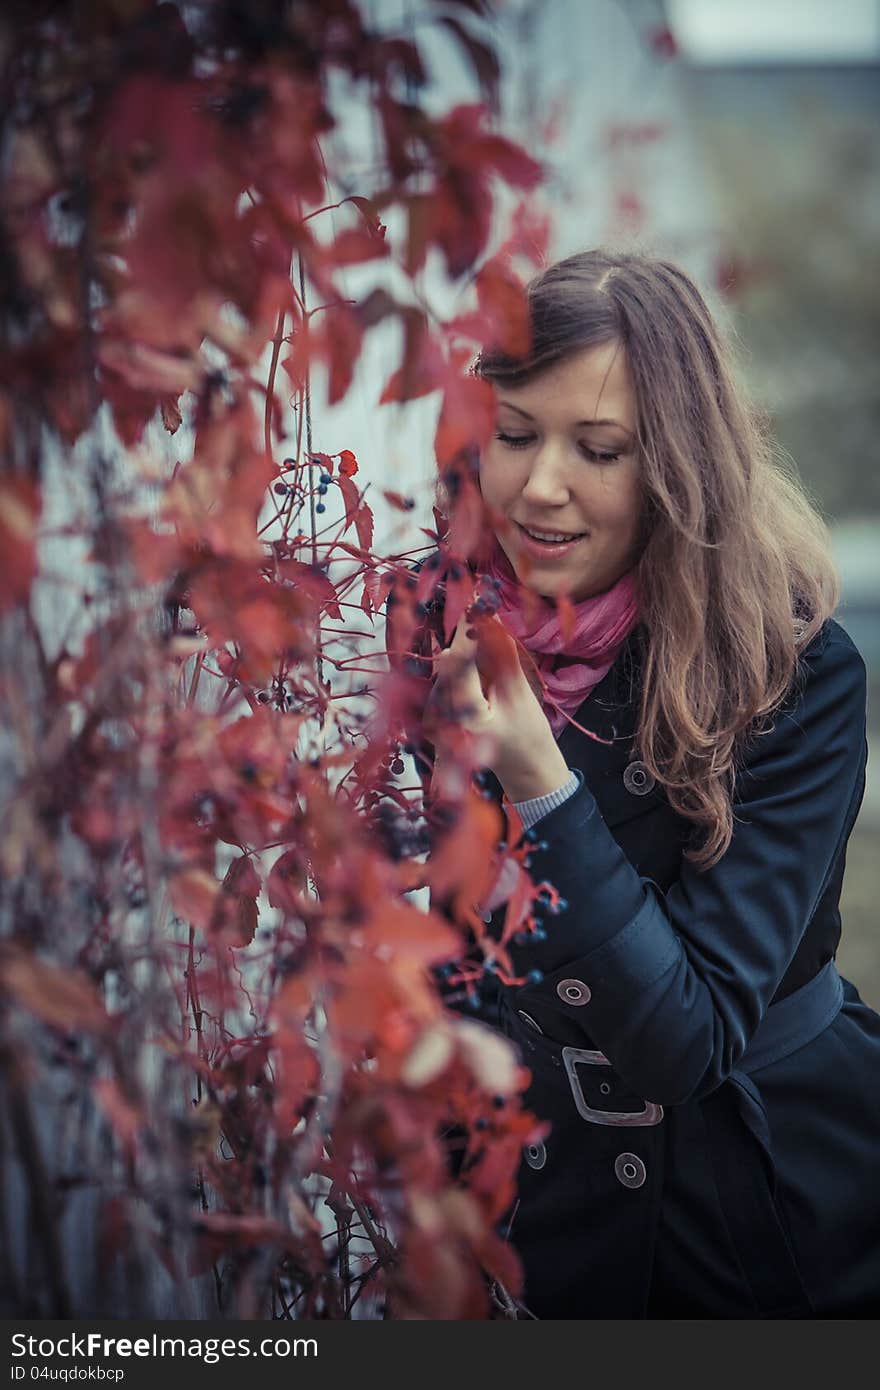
[
  {"x": 638, "y": 780},
  {"x": 574, "y": 992},
  {"x": 536, "y": 1155},
  {"x": 630, "y": 1170}
]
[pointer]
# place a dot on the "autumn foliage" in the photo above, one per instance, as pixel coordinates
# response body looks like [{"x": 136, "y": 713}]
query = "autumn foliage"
[{"x": 229, "y": 1077}]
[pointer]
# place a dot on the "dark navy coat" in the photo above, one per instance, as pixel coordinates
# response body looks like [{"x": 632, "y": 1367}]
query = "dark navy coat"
[{"x": 673, "y": 1183}]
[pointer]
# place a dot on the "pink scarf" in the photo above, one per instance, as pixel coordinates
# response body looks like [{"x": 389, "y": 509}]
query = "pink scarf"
[{"x": 569, "y": 668}]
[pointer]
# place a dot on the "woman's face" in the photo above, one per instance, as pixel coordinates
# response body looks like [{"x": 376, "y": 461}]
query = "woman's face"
[{"x": 563, "y": 459}]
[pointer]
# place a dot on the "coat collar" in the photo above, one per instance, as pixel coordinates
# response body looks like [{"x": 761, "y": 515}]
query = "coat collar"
[
  {"x": 611, "y": 708},
  {"x": 611, "y": 711}
]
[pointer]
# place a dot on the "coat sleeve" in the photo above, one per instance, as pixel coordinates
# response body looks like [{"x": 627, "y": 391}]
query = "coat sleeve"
[{"x": 680, "y": 981}]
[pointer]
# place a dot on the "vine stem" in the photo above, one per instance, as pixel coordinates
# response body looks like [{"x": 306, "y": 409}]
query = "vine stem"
[{"x": 270, "y": 384}]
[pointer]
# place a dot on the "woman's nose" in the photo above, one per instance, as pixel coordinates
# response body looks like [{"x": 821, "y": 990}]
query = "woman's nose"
[{"x": 546, "y": 481}]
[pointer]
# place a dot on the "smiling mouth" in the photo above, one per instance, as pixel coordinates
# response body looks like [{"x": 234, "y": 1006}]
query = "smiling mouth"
[{"x": 551, "y": 538}]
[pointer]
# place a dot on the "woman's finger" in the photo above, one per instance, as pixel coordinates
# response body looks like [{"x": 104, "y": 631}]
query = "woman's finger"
[
  {"x": 458, "y": 675},
  {"x": 464, "y": 640}
]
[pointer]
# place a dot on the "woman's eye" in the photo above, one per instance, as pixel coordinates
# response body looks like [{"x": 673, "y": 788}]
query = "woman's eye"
[
  {"x": 522, "y": 441},
  {"x": 597, "y": 456}
]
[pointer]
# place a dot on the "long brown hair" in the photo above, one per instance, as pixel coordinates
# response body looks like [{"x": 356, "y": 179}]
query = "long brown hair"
[{"x": 735, "y": 575}]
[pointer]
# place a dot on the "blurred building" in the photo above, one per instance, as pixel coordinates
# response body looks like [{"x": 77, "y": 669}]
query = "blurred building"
[
  {"x": 785, "y": 106},
  {"x": 790, "y": 146}
]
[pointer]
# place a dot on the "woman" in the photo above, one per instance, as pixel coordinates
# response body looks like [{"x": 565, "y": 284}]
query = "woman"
[{"x": 710, "y": 1081}]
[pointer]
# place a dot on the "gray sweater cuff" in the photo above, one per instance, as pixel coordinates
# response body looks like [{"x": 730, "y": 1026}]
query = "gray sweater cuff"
[{"x": 532, "y": 810}]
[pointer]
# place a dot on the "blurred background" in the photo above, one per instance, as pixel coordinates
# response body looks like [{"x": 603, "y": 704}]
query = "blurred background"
[{"x": 743, "y": 139}]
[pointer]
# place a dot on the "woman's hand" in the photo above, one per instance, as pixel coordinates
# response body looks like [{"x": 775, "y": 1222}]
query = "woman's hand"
[{"x": 480, "y": 686}]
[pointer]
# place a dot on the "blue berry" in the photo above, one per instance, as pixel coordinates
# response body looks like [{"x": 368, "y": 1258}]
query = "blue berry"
[
  {"x": 539, "y": 934},
  {"x": 326, "y": 478},
  {"x": 322, "y": 489},
  {"x": 320, "y": 507},
  {"x": 535, "y": 977}
]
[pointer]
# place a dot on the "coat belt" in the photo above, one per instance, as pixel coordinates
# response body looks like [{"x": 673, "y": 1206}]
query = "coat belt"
[
  {"x": 795, "y": 1021},
  {"x": 742, "y": 1152}
]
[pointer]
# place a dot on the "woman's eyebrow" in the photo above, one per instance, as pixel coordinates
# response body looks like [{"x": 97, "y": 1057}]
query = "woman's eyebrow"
[{"x": 525, "y": 414}]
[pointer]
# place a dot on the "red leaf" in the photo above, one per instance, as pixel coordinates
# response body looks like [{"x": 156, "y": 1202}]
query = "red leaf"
[
  {"x": 497, "y": 655},
  {"x": 422, "y": 370},
  {"x": 234, "y": 602},
  {"x": 334, "y": 338},
  {"x": 356, "y": 511},
  {"x": 468, "y": 143},
  {"x": 461, "y": 865},
  {"x": 171, "y": 416},
  {"x": 63, "y": 998},
  {"x": 297, "y": 1077},
  {"x": 296, "y": 364},
  {"x": 19, "y": 519},
  {"x": 156, "y": 555},
  {"x": 193, "y": 892},
  {"x": 529, "y": 235},
  {"x": 287, "y": 875},
  {"x": 459, "y": 596},
  {"x": 125, "y": 1118},
  {"x": 340, "y": 345},
  {"x": 355, "y": 245},
  {"x": 348, "y": 464},
  {"x": 503, "y": 303},
  {"x": 663, "y": 42},
  {"x": 148, "y": 369},
  {"x": 242, "y": 877},
  {"x": 512, "y": 162},
  {"x": 376, "y": 586},
  {"x": 314, "y": 583},
  {"x": 408, "y": 933},
  {"x": 367, "y": 210},
  {"x": 235, "y": 912},
  {"x": 484, "y": 59},
  {"x": 351, "y": 496},
  {"x": 397, "y": 499},
  {"x": 467, "y": 415},
  {"x": 363, "y": 523}
]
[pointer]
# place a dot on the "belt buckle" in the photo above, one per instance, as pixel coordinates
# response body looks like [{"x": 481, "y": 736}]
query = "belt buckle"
[{"x": 651, "y": 1115}]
